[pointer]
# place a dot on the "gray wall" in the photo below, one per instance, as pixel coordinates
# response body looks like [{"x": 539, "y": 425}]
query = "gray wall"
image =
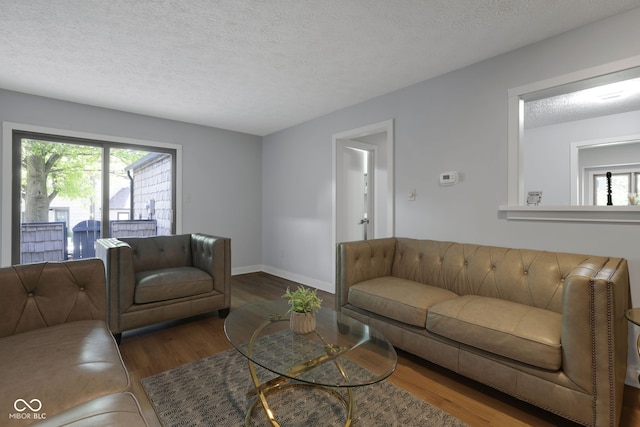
[
  {"x": 275, "y": 201},
  {"x": 457, "y": 121},
  {"x": 221, "y": 169},
  {"x": 547, "y": 151}
]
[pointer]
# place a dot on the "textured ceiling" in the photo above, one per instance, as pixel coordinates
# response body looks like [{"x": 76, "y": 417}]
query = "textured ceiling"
[
  {"x": 258, "y": 66},
  {"x": 579, "y": 105}
]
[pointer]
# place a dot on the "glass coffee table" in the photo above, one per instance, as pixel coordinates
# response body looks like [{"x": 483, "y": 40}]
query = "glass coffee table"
[
  {"x": 633, "y": 316},
  {"x": 341, "y": 353}
]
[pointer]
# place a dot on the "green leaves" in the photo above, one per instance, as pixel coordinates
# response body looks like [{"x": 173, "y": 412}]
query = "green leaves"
[
  {"x": 69, "y": 170},
  {"x": 303, "y": 300}
]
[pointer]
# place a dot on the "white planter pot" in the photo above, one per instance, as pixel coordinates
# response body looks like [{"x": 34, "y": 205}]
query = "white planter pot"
[{"x": 302, "y": 323}]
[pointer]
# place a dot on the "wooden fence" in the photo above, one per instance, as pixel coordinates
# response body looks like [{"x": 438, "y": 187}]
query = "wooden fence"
[
  {"x": 43, "y": 241},
  {"x": 133, "y": 228}
]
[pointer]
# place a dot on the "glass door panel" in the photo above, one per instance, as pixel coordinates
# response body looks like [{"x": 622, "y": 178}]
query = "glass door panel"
[
  {"x": 140, "y": 193},
  {"x": 60, "y": 200},
  {"x": 70, "y": 192}
]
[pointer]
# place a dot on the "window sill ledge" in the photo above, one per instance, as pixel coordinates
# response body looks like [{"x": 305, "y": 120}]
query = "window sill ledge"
[{"x": 607, "y": 214}]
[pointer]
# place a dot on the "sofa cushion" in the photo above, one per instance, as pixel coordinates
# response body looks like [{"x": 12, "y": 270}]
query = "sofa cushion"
[
  {"x": 62, "y": 366},
  {"x": 171, "y": 283},
  {"x": 119, "y": 409},
  {"x": 399, "y": 299},
  {"x": 520, "y": 332}
]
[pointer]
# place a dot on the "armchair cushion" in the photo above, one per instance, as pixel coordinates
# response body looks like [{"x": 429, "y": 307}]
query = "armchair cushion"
[{"x": 171, "y": 283}]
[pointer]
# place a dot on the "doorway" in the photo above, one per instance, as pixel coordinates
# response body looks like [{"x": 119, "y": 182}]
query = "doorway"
[
  {"x": 363, "y": 178},
  {"x": 356, "y": 192}
]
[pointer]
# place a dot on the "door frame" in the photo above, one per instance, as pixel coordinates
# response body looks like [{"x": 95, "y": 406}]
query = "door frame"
[{"x": 386, "y": 127}]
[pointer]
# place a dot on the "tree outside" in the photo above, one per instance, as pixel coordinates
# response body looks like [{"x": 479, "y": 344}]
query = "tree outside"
[
  {"x": 51, "y": 169},
  {"x": 71, "y": 171},
  {"x": 62, "y": 190}
]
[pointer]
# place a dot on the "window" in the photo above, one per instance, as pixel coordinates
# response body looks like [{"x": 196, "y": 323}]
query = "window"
[
  {"x": 624, "y": 187},
  {"x": 67, "y": 192},
  {"x": 549, "y": 166}
]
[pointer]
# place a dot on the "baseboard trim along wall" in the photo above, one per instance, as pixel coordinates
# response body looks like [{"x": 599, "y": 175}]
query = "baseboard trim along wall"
[{"x": 307, "y": 281}]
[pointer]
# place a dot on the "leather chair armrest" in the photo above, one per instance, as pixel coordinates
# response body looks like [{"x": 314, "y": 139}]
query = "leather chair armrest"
[{"x": 117, "y": 257}]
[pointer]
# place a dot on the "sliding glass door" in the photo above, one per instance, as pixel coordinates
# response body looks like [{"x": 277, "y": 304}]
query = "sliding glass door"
[{"x": 69, "y": 192}]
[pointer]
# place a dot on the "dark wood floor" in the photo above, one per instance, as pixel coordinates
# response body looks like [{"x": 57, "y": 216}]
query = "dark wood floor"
[{"x": 161, "y": 347}]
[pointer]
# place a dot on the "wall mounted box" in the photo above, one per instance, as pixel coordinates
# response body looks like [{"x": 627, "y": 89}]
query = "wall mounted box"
[{"x": 448, "y": 178}]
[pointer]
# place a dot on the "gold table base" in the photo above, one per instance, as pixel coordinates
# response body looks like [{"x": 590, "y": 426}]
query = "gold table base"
[
  {"x": 263, "y": 391},
  {"x": 280, "y": 383}
]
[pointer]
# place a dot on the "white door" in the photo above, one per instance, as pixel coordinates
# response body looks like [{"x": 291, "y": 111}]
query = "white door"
[
  {"x": 356, "y": 192},
  {"x": 363, "y": 185}
]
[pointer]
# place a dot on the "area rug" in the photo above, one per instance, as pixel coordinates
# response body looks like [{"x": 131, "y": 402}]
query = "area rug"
[{"x": 213, "y": 392}]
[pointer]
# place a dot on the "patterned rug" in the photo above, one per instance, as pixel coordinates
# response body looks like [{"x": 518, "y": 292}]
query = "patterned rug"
[{"x": 212, "y": 392}]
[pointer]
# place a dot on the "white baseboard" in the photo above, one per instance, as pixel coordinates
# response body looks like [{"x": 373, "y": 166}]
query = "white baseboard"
[
  {"x": 324, "y": 286},
  {"x": 247, "y": 269},
  {"x": 307, "y": 281}
]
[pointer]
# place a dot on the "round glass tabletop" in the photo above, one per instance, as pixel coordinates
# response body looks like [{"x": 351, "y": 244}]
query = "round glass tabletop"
[
  {"x": 341, "y": 352},
  {"x": 633, "y": 315}
]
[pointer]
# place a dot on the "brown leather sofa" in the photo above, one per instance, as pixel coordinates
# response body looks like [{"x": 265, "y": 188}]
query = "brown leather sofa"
[
  {"x": 59, "y": 363},
  {"x": 160, "y": 278},
  {"x": 545, "y": 327}
]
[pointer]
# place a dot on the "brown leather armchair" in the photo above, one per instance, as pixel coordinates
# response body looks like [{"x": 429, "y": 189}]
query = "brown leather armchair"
[{"x": 160, "y": 278}]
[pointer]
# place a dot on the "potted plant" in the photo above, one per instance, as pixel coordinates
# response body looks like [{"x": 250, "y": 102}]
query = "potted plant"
[{"x": 303, "y": 304}]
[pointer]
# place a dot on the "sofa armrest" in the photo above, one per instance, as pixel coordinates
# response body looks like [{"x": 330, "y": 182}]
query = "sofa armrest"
[
  {"x": 117, "y": 257},
  {"x": 359, "y": 261},
  {"x": 51, "y": 293},
  {"x": 595, "y": 297},
  {"x": 213, "y": 255}
]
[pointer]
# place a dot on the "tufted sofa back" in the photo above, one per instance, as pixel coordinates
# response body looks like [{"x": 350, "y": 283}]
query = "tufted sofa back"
[
  {"x": 530, "y": 277},
  {"x": 202, "y": 252},
  {"x": 158, "y": 252},
  {"x": 45, "y": 294}
]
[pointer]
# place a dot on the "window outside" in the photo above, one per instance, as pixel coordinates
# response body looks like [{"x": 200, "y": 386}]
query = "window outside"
[
  {"x": 61, "y": 194},
  {"x": 624, "y": 188}
]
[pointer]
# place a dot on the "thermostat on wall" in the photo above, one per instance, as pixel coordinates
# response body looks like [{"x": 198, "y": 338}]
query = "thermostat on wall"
[{"x": 448, "y": 178}]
